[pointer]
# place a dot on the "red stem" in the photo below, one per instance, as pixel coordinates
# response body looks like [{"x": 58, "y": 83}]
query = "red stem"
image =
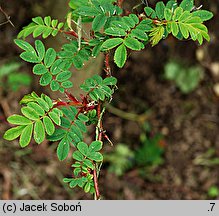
[
  {"x": 96, "y": 184},
  {"x": 120, "y": 2},
  {"x": 99, "y": 139},
  {"x": 107, "y": 65}
]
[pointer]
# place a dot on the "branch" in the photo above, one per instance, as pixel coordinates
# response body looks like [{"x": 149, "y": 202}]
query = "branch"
[
  {"x": 99, "y": 129},
  {"x": 128, "y": 116},
  {"x": 7, "y": 17}
]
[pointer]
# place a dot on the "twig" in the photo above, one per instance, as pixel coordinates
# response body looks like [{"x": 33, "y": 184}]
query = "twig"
[
  {"x": 128, "y": 116},
  {"x": 7, "y": 17},
  {"x": 99, "y": 129}
]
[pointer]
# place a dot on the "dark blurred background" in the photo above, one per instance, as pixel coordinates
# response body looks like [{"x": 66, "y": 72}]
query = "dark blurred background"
[{"x": 163, "y": 120}]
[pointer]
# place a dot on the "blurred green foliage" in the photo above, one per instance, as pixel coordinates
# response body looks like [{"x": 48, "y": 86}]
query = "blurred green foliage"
[
  {"x": 121, "y": 159},
  {"x": 149, "y": 154},
  {"x": 11, "y": 78},
  {"x": 213, "y": 192},
  {"x": 186, "y": 78}
]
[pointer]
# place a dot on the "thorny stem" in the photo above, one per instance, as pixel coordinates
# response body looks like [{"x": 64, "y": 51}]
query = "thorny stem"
[
  {"x": 99, "y": 129},
  {"x": 107, "y": 65},
  {"x": 97, "y": 192}
]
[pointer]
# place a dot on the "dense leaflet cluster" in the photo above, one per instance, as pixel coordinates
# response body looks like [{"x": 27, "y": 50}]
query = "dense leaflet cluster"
[{"x": 112, "y": 29}]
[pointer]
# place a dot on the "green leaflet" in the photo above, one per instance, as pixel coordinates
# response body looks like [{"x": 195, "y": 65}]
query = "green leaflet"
[
  {"x": 67, "y": 84},
  {"x": 187, "y": 5},
  {"x": 99, "y": 22},
  {"x": 30, "y": 113},
  {"x": 133, "y": 44},
  {"x": 13, "y": 133},
  {"x": 40, "y": 48},
  {"x": 111, "y": 43},
  {"x": 63, "y": 76},
  {"x": 150, "y": 12},
  {"x": 110, "y": 81},
  {"x": 83, "y": 117},
  {"x": 174, "y": 29},
  {"x": 30, "y": 57},
  {"x": 49, "y": 126},
  {"x": 83, "y": 148},
  {"x": 96, "y": 146},
  {"x": 120, "y": 56},
  {"x": 63, "y": 149},
  {"x": 24, "y": 45},
  {"x": 88, "y": 163},
  {"x": 78, "y": 156},
  {"x": 37, "y": 108},
  {"x": 203, "y": 14},
  {"x": 114, "y": 31},
  {"x": 39, "y": 132},
  {"x": 45, "y": 79},
  {"x": 57, "y": 135},
  {"x": 18, "y": 120},
  {"x": 55, "y": 117},
  {"x": 96, "y": 156},
  {"x": 40, "y": 69},
  {"x": 43, "y": 104},
  {"x": 54, "y": 85},
  {"x": 160, "y": 7},
  {"x": 139, "y": 34},
  {"x": 49, "y": 57},
  {"x": 26, "y": 135},
  {"x": 168, "y": 14}
]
